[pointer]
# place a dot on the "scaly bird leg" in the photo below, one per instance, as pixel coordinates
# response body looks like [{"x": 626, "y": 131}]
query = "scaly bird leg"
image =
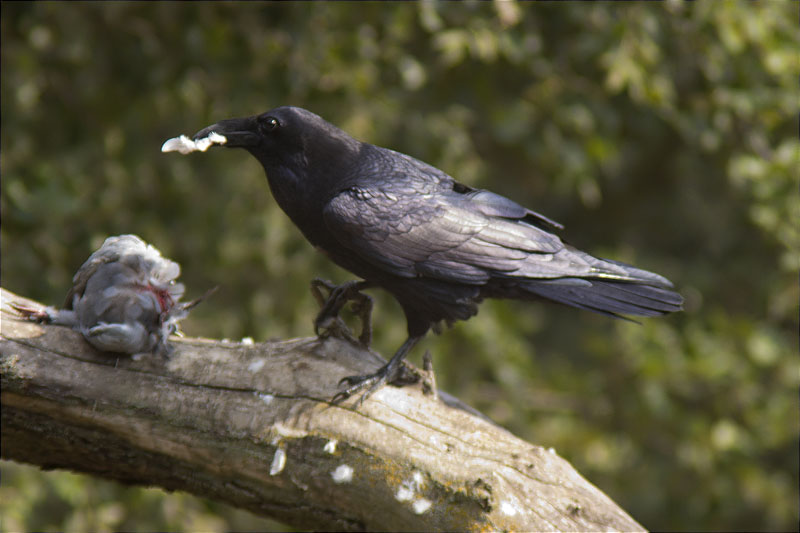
[
  {"x": 385, "y": 374},
  {"x": 29, "y": 313},
  {"x": 47, "y": 315},
  {"x": 338, "y": 295}
]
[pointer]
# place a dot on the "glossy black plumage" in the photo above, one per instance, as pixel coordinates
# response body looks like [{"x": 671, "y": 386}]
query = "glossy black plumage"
[{"x": 438, "y": 246}]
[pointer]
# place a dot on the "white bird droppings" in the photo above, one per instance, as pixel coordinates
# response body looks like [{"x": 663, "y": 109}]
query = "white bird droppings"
[
  {"x": 266, "y": 398},
  {"x": 342, "y": 474},
  {"x": 551, "y": 450},
  {"x": 248, "y": 340},
  {"x": 508, "y": 509},
  {"x": 278, "y": 462},
  {"x": 421, "y": 505},
  {"x": 410, "y": 487},
  {"x": 256, "y": 365},
  {"x": 404, "y": 494},
  {"x": 185, "y": 145},
  {"x": 330, "y": 446}
]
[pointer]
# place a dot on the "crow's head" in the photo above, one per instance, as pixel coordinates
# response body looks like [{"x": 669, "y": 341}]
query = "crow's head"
[{"x": 284, "y": 136}]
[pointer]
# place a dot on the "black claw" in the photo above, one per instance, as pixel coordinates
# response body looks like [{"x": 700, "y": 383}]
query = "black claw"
[
  {"x": 370, "y": 382},
  {"x": 351, "y": 380},
  {"x": 388, "y": 373},
  {"x": 339, "y": 398}
]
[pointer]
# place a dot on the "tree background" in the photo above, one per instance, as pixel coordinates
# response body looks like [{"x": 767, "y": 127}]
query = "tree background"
[{"x": 664, "y": 135}]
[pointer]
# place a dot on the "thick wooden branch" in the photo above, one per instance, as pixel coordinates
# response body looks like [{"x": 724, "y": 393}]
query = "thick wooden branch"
[{"x": 250, "y": 425}]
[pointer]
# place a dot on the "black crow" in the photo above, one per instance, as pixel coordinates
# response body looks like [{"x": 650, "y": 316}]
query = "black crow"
[{"x": 438, "y": 246}]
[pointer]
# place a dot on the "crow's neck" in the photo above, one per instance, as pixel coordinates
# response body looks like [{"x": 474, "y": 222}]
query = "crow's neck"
[{"x": 302, "y": 190}]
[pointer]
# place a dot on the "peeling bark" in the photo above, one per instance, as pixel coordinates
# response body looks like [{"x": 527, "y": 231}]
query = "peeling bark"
[{"x": 251, "y": 425}]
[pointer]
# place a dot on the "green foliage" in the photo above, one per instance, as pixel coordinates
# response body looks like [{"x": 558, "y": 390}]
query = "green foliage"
[
  {"x": 659, "y": 134},
  {"x": 63, "y": 501}
]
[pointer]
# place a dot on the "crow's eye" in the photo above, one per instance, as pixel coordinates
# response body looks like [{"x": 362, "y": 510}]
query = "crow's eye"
[{"x": 268, "y": 124}]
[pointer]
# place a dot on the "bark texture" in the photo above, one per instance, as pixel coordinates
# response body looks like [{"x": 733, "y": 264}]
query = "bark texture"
[{"x": 251, "y": 425}]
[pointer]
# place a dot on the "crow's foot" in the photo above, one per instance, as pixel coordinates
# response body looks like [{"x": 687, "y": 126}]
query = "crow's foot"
[
  {"x": 395, "y": 371},
  {"x": 338, "y": 296},
  {"x": 368, "y": 383}
]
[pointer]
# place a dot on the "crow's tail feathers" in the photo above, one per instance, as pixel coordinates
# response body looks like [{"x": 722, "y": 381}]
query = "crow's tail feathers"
[{"x": 610, "y": 297}]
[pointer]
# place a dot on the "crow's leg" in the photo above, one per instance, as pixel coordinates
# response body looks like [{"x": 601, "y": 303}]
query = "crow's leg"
[
  {"x": 338, "y": 295},
  {"x": 385, "y": 374}
]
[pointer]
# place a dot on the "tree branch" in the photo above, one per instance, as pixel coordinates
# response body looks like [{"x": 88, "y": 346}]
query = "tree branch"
[{"x": 250, "y": 425}]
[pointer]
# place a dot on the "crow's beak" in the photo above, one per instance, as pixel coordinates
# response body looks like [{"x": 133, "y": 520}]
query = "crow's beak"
[{"x": 238, "y": 132}]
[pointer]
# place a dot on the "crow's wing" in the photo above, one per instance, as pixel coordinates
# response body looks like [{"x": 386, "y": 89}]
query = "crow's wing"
[{"x": 465, "y": 238}]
